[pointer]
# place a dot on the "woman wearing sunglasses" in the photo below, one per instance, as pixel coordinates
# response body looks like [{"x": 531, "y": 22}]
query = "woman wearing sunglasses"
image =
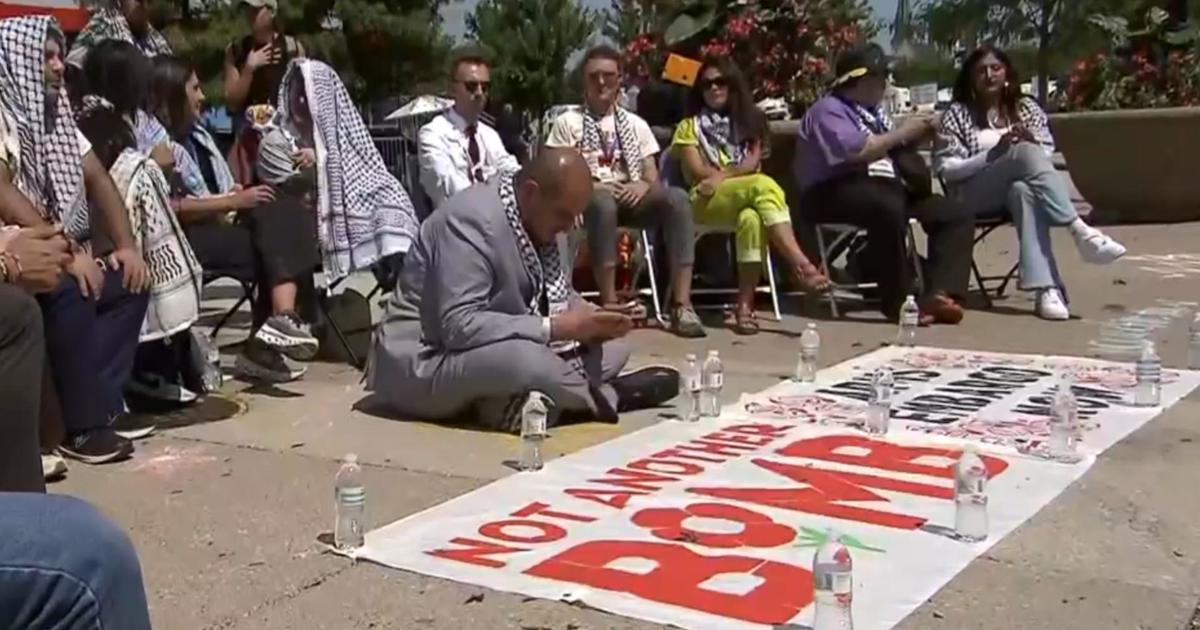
[{"x": 720, "y": 148}]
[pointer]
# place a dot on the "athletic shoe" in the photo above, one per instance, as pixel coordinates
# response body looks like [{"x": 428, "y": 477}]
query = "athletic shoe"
[
  {"x": 1050, "y": 305},
  {"x": 98, "y": 446},
  {"x": 288, "y": 334},
  {"x": 646, "y": 387},
  {"x": 1097, "y": 248},
  {"x": 261, "y": 363},
  {"x": 686, "y": 323},
  {"x": 155, "y": 387},
  {"x": 54, "y": 467},
  {"x": 133, "y": 426}
]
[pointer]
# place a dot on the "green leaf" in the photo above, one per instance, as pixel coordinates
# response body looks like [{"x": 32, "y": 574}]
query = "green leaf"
[{"x": 685, "y": 26}]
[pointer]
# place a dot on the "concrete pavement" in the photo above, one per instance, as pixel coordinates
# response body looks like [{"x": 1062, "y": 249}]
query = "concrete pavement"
[{"x": 226, "y": 513}]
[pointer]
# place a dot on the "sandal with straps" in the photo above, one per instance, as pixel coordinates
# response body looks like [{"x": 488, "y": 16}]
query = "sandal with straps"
[{"x": 745, "y": 323}]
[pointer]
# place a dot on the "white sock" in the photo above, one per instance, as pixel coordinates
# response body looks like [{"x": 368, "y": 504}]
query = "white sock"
[{"x": 1081, "y": 230}]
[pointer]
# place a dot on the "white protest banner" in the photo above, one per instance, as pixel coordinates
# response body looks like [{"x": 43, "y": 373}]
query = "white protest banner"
[
  {"x": 714, "y": 524},
  {"x": 1002, "y": 400}
]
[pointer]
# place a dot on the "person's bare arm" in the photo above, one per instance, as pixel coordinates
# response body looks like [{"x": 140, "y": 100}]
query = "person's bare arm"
[
  {"x": 15, "y": 207},
  {"x": 237, "y": 80},
  {"x": 879, "y": 145},
  {"x": 197, "y": 209},
  {"x": 749, "y": 164},
  {"x": 694, "y": 164}
]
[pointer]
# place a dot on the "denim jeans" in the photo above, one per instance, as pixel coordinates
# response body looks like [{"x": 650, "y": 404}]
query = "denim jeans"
[
  {"x": 91, "y": 346},
  {"x": 63, "y": 566},
  {"x": 1024, "y": 182}
]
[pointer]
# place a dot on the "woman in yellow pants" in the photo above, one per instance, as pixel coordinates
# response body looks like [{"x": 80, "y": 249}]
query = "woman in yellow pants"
[{"x": 720, "y": 149}]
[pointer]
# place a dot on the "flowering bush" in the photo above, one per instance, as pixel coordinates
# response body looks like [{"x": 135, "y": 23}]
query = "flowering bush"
[
  {"x": 1148, "y": 68},
  {"x": 786, "y": 47}
]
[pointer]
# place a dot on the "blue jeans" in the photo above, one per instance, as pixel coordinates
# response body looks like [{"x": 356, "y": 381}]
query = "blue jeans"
[
  {"x": 90, "y": 346},
  {"x": 63, "y": 566},
  {"x": 1024, "y": 182}
]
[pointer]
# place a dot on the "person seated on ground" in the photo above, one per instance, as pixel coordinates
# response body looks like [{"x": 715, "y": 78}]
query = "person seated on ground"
[
  {"x": 176, "y": 276},
  {"x": 720, "y": 148},
  {"x": 266, "y": 244},
  {"x": 121, "y": 20},
  {"x": 484, "y": 313},
  {"x": 254, "y": 69},
  {"x": 64, "y": 565},
  {"x": 995, "y": 155},
  {"x": 32, "y": 260},
  {"x": 365, "y": 219},
  {"x": 49, "y": 175},
  {"x": 854, "y": 168},
  {"x": 457, "y": 149},
  {"x": 621, "y": 152}
]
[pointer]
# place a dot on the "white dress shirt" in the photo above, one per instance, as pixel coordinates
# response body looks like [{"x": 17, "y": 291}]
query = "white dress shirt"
[{"x": 445, "y": 157}]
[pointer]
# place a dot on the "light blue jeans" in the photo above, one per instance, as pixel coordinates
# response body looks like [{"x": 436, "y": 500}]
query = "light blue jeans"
[
  {"x": 63, "y": 566},
  {"x": 1025, "y": 182}
]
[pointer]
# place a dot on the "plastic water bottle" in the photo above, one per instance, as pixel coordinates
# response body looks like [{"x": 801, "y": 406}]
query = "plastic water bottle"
[
  {"x": 1194, "y": 344},
  {"x": 910, "y": 318},
  {"x": 714, "y": 382},
  {"x": 350, "y": 503},
  {"x": 970, "y": 496},
  {"x": 879, "y": 409},
  {"x": 1147, "y": 391},
  {"x": 693, "y": 389},
  {"x": 810, "y": 347},
  {"x": 1064, "y": 421},
  {"x": 833, "y": 585},
  {"x": 533, "y": 431}
]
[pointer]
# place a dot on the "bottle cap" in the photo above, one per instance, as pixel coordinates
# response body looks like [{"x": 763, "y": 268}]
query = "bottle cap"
[
  {"x": 350, "y": 458},
  {"x": 713, "y": 353},
  {"x": 812, "y": 326},
  {"x": 689, "y": 357}
]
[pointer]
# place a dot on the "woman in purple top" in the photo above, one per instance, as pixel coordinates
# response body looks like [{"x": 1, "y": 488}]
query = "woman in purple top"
[
  {"x": 994, "y": 155},
  {"x": 846, "y": 166}
]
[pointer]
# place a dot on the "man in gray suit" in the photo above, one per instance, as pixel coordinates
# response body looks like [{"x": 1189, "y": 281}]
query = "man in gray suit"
[{"x": 484, "y": 313}]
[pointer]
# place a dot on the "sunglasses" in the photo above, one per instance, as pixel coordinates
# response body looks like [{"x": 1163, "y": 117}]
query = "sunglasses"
[
  {"x": 472, "y": 87},
  {"x": 719, "y": 82}
]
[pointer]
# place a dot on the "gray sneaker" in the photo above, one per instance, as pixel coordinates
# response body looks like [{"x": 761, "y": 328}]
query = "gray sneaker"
[
  {"x": 288, "y": 334},
  {"x": 686, "y": 323},
  {"x": 258, "y": 362}
]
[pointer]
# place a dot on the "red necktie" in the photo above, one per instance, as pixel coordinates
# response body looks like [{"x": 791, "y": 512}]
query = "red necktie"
[{"x": 473, "y": 153}]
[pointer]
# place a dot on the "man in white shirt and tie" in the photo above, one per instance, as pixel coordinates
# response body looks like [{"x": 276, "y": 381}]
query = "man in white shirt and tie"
[{"x": 457, "y": 149}]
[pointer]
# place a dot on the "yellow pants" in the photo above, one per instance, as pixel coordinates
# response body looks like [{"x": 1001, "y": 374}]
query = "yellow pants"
[{"x": 750, "y": 204}]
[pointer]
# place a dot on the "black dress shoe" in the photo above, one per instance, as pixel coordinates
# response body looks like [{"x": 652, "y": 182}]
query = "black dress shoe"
[{"x": 646, "y": 387}]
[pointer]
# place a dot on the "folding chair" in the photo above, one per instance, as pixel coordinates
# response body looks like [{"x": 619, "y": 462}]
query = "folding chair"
[
  {"x": 643, "y": 256},
  {"x": 844, "y": 235},
  {"x": 248, "y": 288},
  {"x": 984, "y": 226},
  {"x": 324, "y": 290}
]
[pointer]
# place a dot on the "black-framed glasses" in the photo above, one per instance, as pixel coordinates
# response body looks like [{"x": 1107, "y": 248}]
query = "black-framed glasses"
[
  {"x": 717, "y": 82},
  {"x": 474, "y": 87}
]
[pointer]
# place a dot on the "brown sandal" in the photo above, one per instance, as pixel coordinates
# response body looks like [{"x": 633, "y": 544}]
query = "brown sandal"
[
  {"x": 811, "y": 279},
  {"x": 745, "y": 323}
]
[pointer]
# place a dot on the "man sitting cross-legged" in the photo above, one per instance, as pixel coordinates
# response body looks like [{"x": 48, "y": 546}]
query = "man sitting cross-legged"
[{"x": 484, "y": 313}]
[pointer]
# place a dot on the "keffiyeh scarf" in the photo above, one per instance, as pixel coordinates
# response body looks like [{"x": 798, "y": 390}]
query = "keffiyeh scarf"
[
  {"x": 627, "y": 143},
  {"x": 960, "y": 134},
  {"x": 108, "y": 23},
  {"x": 544, "y": 264},
  {"x": 716, "y": 134},
  {"x": 50, "y": 172},
  {"x": 175, "y": 274},
  {"x": 363, "y": 213}
]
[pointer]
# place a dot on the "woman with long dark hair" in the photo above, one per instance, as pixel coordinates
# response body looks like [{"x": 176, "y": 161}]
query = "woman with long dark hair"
[
  {"x": 239, "y": 232},
  {"x": 720, "y": 148},
  {"x": 995, "y": 155}
]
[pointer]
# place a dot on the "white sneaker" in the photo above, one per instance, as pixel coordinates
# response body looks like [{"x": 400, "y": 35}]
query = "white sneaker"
[
  {"x": 53, "y": 466},
  {"x": 1098, "y": 248},
  {"x": 1050, "y": 305}
]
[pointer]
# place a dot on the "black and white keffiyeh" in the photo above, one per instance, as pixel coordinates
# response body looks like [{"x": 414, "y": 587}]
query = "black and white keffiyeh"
[
  {"x": 960, "y": 135},
  {"x": 544, "y": 264},
  {"x": 717, "y": 136},
  {"x": 50, "y": 172},
  {"x": 627, "y": 143},
  {"x": 363, "y": 213}
]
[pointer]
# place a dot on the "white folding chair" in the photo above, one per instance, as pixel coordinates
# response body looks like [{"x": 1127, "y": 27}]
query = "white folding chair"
[
  {"x": 643, "y": 261},
  {"x": 770, "y": 289},
  {"x": 843, "y": 235}
]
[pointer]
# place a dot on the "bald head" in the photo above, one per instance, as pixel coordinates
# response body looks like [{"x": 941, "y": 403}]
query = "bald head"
[{"x": 552, "y": 191}]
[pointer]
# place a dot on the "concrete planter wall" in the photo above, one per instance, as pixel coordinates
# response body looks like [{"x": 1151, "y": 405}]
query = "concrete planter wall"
[{"x": 1135, "y": 165}]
